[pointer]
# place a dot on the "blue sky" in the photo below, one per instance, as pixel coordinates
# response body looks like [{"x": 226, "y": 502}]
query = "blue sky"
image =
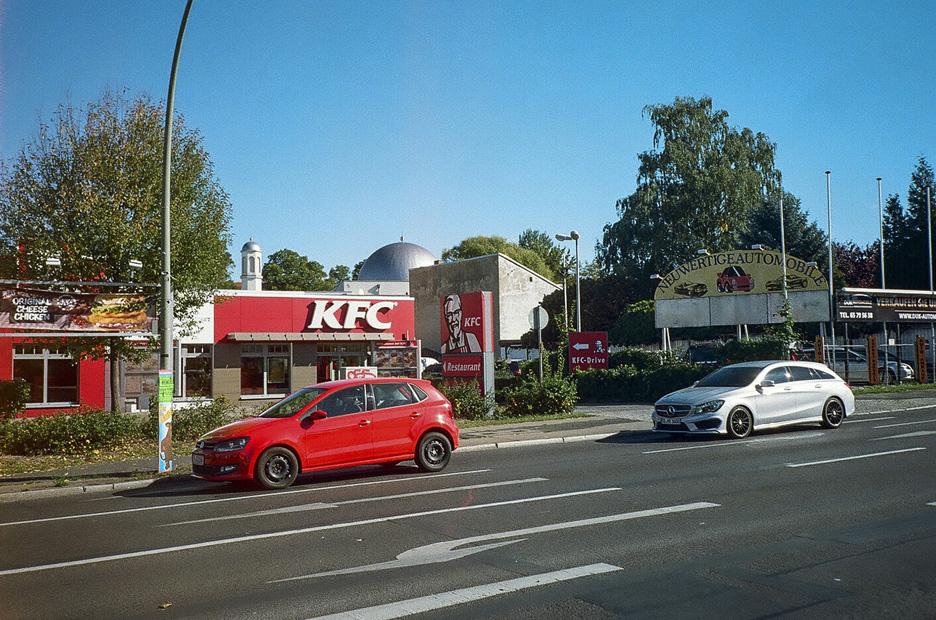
[{"x": 338, "y": 126}]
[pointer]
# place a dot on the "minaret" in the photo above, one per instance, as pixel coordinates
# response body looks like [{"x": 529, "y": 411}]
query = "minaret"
[{"x": 251, "y": 267}]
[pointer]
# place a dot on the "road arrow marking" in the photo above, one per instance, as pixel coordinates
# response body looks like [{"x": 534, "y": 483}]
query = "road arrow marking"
[
  {"x": 424, "y": 604},
  {"x": 446, "y": 551}
]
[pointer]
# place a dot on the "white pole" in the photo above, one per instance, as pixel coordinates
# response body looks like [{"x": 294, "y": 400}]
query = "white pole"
[
  {"x": 929, "y": 231},
  {"x": 828, "y": 177},
  {"x": 783, "y": 247}
]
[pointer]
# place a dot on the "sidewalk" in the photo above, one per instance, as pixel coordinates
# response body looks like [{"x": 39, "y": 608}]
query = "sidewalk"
[{"x": 605, "y": 420}]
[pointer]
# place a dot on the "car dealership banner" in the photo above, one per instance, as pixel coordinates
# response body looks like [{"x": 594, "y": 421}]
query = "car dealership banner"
[
  {"x": 740, "y": 287},
  {"x": 466, "y": 329},
  {"x": 855, "y": 305},
  {"x": 49, "y": 310}
]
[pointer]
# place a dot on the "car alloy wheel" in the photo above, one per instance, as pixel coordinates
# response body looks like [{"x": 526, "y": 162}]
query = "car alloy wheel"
[
  {"x": 739, "y": 423},
  {"x": 433, "y": 452},
  {"x": 833, "y": 413}
]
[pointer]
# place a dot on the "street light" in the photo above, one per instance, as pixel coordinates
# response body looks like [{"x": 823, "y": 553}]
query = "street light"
[
  {"x": 828, "y": 181},
  {"x": 574, "y": 236},
  {"x": 759, "y": 246},
  {"x": 702, "y": 252},
  {"x": 53, "y": 261},
  {"x": 135, "y": 264}
]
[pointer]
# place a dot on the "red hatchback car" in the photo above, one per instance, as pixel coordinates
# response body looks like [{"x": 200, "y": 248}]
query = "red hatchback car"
[{"x": 332, "y": 425}]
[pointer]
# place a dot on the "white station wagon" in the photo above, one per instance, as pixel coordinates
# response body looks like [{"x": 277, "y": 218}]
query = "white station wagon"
[{"x": 738, "y": 399}]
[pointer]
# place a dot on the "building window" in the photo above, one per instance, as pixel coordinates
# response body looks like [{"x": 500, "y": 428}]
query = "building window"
[
  {"x": 52, "y": 374},
  {"x": 196, "y": 370},
  {"x": 264, "y": 369}
]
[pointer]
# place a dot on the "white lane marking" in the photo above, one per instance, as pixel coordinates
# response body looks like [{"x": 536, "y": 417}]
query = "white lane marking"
[
  {"x": 853, "y": 421},
  {"x": 906, "y": 435},
  {"x": 852, "y": 458},
  {"x": 931, "y": 504},
  {"x": 242, "y": 497},
  {"x": 906, "y": 423},
  {"x": 433, "y": 602},
  {"x": 446, "y": 551},
  {"x": 737, "y": 443},
  {"x": 361, "y": 500},
  {"x": 305, "y": 530}
]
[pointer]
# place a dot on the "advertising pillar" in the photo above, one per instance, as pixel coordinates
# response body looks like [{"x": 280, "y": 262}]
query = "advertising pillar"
[
  {"x": 165, "y": 421},
  {"x": 467, "y": 335}
]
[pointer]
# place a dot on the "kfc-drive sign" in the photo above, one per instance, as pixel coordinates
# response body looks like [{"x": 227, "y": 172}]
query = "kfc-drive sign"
[
  {"x": 588, "y": 350},
  {"x": 325, "y": 313}
]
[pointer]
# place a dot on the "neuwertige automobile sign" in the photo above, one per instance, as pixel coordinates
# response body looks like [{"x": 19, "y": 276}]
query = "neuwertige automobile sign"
[
  {"x": 37, "y": 309},
  {"x": 739, "y": 272}
]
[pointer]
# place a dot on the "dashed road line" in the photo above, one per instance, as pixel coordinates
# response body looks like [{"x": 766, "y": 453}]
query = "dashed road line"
[
  {"x": 906, "y": 424},
  {"x": 906, "y": 435},
  {"x": 737, "y": 443},
  {"x": 852, "y": 458}
]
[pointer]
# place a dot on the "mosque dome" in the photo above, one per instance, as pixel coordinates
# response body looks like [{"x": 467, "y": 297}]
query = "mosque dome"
[
  {"x": 392, "y": 263},
  {"x": 251, "y": 246}
]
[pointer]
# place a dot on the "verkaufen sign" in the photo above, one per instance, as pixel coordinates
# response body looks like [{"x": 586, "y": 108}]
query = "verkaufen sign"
[
  {"x": 48, "y": 310},
  {"x": 881, "y": 305}
]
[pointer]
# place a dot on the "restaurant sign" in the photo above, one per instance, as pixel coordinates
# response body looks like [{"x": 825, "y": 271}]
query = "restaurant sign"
[{"x": 49, "y": 310}]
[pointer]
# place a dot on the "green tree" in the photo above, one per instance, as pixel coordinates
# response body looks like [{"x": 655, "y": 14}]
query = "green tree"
[
  {"x": 635, "y": 325},
  {"x": 804, "y": 239},
  {"x": 88, "y": 189},
  {"x": 557, "y": 258},
  {"x": 356, "y": 270},
  {"x": 695, "y": 189},
  {"x": 473, "y": 247},
  {"x": 337, "y": 275},
  {"x": 906, "y": 235},
  {"x": 287, "y": 270}
]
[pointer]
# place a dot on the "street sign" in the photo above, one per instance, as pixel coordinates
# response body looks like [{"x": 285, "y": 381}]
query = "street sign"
[
  {"x": 588, "y": 350},
  {"x": 543, "y": 317}
]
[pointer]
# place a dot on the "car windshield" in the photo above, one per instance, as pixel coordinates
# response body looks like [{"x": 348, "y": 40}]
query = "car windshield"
[
  {"x": 291, "y": 405},
  {"x": 730, "y": 376}
]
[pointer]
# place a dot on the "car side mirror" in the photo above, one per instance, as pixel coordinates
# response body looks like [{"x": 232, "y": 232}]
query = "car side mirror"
[
  {"x": 313, "y": 414},
  {"x": 766, "y": 383}
]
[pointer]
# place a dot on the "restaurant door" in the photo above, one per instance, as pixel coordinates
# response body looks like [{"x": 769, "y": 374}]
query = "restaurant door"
[{"x": 331, "y": 358}]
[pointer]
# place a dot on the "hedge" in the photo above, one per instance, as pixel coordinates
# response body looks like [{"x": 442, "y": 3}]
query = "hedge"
[
  {"x": 72, "y": 433},
  {"x": 14, "y": 395},
  {"x": 629, "y": 384},
  {"x": 555, "y": 395},
  {"x": 467, "y": 401}
]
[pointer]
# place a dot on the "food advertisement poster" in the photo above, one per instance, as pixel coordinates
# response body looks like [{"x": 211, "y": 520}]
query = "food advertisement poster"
[
  {"x": 739, "y": 272},
  {"x": 50, "y": 310}
]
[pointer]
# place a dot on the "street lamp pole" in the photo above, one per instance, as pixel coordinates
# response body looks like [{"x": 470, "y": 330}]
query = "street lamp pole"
[
  {"x": 165, "y": 332},
  {"x": 574, "y": 236},
  {"x": 828, "y": 178},
  {"x": 783, "y": 247},
  {"x": 881, "y": 218}
]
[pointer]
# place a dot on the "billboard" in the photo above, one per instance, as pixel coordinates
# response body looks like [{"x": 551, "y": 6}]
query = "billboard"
[
  {"x": 466, "y": 330},
  {"x": 739, "y": 272},
  {"x": 33, "y": 309},
  {"x": 588, "y": 350},
  {"x": 855, "y": 305}
]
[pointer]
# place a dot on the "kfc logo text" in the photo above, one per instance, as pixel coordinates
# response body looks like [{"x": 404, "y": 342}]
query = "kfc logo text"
[{"x": 325, "y": 314}]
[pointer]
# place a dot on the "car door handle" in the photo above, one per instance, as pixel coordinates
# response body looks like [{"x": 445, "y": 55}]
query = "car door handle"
[
  {"x": 364, "y": 423},
  {"x": 415, "y": 415},
  {"x": 787, "y": 389},
  {"x": 818, "y": 386}
]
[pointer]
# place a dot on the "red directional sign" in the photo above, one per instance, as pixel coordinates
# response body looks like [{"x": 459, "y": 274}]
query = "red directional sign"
[{"x": 588, "y": 350}]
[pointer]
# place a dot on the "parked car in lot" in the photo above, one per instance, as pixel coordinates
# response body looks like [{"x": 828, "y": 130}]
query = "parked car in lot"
[
  {"x": 739, "y": 399},
  {"x": 734, "y": 279},
  {"x": 333, "y": 425},
  {"x": 858, "y": 365}
]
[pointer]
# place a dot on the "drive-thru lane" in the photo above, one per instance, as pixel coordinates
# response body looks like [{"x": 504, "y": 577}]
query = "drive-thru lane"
[{"x": 583, "y": 528}]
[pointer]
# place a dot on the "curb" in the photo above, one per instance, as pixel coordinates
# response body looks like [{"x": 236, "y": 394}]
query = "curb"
[
  {"x": 16, "y": 496},
  {"x": 536, "y": 442}
]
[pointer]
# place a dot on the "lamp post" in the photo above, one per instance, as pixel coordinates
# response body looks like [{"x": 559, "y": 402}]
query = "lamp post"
[
  {"x": 828, "y": 180},
  {"x": 786, "y": 296},
  {"x": 929, "y": 233},
  {"x": 574, "y": 236}
]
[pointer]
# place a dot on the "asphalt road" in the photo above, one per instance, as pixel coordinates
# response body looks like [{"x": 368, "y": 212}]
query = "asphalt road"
[{"x": 803, "y": 522}]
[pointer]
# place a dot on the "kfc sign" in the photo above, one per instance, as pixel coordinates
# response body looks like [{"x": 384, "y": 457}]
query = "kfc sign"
[
  {"x": 588, "y": 350},
  {"x": 359, "y": 372},
  {"x": 468, "y": 366},
  {"x": 466, "y": 324},
  {"x": 326, "y": 314}
]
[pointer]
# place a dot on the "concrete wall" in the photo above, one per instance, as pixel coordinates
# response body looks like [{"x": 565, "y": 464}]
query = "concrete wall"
[
  {"x": 225, "y": 376},
  {"x": 516, "y": 289}
]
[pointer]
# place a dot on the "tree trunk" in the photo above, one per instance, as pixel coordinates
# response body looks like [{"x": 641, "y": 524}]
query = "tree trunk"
[{"x": 116, "y": 388}]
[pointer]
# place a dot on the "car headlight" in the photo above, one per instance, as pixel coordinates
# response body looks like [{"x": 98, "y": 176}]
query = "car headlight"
[
  {"x": 230, "y": 445},
  {"x": 709, "y": 407}
]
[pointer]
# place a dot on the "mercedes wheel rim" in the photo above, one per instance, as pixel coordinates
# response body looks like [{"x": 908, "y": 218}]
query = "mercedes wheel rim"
[
  {"x": 834, "y": 412},
  {"x": 740, "y": 423}
]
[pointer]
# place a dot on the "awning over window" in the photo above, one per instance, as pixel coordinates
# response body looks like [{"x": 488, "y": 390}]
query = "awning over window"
[{"x": 308, "y": 337}]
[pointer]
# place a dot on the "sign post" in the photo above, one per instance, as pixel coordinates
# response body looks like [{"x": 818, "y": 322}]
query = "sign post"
[
  {"x": 588, "y": 350},
  {"x": 166, "y": 463},
  {"x": 539, "y": 318}
]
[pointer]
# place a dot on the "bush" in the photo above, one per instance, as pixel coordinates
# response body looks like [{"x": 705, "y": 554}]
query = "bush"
[
  {"x": 13, "y": 397},
  {"x": 641, "y": 358},
  {"x": 190, "y": 423},
  {"x": 735, "y": 351},
  {"x": 630, "y": 384},
  {"x": 73, "y": 433},
  {"x": 466, "y": 398},
  {"x": 555, "y": 395}
]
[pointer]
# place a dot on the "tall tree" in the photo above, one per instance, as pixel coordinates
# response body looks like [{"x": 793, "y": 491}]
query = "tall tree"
[
  {"x": 337, "y": 275},
  {"x": 695, "y": 189},
  {"x": 895, "y": 238},
  {"x": 858, "y": 265},
  {"x": 906, "y": 234},
  {"x": 556, "y": 257},
  {"x": 88, "y": 189},
  {"x": 287, "y": 270},
  {"x": 482, "y": 246},
  {"x": 804, "y": 239}
]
